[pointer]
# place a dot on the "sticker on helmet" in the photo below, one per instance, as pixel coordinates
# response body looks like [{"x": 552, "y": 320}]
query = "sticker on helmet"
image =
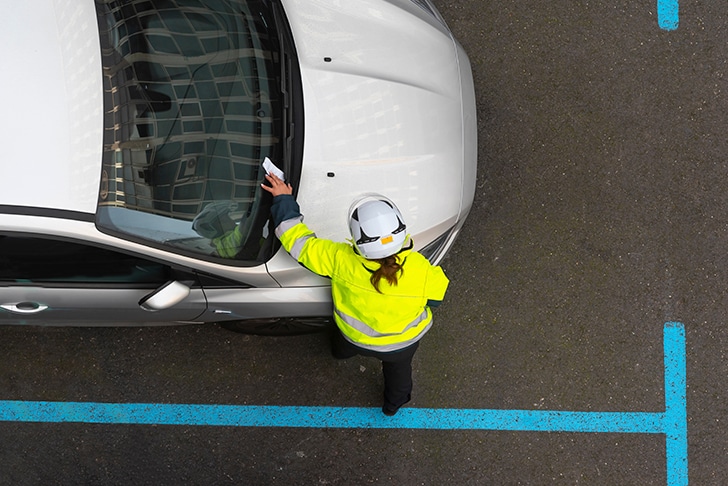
[{"x": 387, "y": 239}]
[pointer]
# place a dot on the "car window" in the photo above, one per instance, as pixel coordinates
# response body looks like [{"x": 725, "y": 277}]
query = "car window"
[
  {"x": 195, "y": 98},
  {"x": 30, "y": 260}
]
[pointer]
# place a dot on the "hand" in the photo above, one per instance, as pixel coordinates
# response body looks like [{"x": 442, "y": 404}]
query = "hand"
[{"x": 277, "y": 187}]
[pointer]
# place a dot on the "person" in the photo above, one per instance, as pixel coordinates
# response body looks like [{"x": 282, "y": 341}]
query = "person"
[{"x": 382, "y": 290}]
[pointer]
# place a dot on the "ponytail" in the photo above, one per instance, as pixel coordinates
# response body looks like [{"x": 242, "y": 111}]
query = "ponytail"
[{"x": 389, "y": 270}]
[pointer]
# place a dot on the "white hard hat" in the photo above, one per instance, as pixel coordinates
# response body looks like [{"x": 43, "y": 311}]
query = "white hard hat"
[{"x": 376, "y": 226}]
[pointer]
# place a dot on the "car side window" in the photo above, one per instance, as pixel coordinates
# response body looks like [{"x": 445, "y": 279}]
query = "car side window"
[{"x": 33, "y": 260}]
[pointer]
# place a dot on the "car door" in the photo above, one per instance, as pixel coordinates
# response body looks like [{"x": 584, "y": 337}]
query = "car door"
[{"x": 62, "y": 282}]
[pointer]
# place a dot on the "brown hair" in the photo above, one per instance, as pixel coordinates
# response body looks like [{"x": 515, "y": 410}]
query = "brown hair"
[{"x": 389, "y": 269}]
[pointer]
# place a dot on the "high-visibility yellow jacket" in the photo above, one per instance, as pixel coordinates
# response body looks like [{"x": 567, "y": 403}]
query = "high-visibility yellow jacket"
[{"x": 389, "y": 320}]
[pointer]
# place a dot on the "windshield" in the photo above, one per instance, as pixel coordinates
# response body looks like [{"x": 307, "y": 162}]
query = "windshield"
[{"x": 196, "y": 95}]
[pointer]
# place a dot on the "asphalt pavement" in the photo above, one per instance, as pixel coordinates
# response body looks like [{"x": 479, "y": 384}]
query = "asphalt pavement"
[{"x": 600, "y": 216}]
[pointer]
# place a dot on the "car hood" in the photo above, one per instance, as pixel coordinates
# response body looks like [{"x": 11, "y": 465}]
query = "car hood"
[
  {"x": 383, "y": 113},
  {"x": 51, "y": 94}
]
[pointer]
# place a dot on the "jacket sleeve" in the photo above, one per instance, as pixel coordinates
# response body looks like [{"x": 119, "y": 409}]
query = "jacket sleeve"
[
  {"x": 437, "y": 283},
  {"x": 284, "y": 208},
  {"x": 314, "y": 253}
]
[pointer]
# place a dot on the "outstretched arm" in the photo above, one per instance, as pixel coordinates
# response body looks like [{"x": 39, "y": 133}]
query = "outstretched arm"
[
  {"x": 284, "y": 207},
  {"x": 313, "y": 253}
]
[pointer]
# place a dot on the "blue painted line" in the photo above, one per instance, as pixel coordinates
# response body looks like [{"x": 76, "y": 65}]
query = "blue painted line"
[
  {"x": 331, "y": 417},
  {"x": 676, "y": 408},
  {"x": 668, "y": 14},
  {"x": 672, "y": 422}
]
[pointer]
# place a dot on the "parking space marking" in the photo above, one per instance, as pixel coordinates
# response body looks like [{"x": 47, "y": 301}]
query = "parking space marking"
[
  {"x": 668, "y": 14},
  {"x": 672, "y": 422}
]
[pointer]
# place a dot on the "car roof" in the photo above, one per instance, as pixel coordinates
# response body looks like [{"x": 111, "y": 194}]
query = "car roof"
[{"x": 51, "y": 94}]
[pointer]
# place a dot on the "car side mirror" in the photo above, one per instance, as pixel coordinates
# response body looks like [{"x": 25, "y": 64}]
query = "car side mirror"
[{"x": 166, "y": 296}]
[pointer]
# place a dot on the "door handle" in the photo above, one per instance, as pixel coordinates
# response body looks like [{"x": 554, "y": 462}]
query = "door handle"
[{"x": 24, "y": 307}]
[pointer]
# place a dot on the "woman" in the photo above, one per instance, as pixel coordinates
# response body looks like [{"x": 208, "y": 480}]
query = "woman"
[{"x": 382, "y": 290}]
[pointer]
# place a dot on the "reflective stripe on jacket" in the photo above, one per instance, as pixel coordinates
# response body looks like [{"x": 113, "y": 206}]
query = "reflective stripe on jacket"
[{"x": 387, "y": 321}]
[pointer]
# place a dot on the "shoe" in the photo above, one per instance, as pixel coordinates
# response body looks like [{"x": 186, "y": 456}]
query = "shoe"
[{"x": 389, "y": 412}]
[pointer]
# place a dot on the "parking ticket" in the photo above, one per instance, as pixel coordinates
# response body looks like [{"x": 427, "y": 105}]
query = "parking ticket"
[{"x": 270, "y": 168}]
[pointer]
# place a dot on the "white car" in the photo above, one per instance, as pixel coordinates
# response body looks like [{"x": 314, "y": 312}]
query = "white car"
[{"x": 134, "y": 134}]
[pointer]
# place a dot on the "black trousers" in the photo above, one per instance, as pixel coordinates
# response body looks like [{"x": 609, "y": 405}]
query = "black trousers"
[{"x": 396, "y": 367}]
